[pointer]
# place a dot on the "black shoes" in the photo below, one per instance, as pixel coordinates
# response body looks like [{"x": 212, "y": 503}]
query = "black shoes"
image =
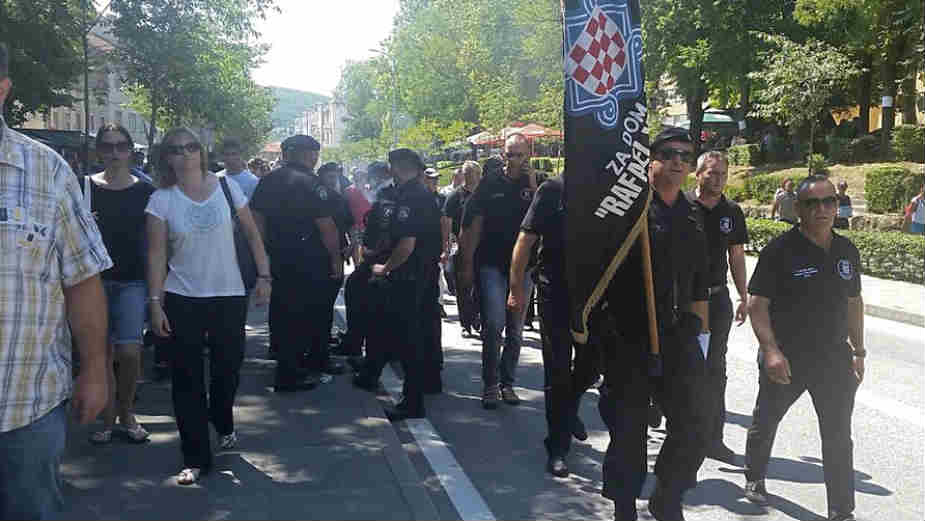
[
  {"x": 401, "y": 413},
  {"x": 557, "y": 467},
  {"x": 304, "y": 385},
  {"x": 835, "y": 515},
  {"x": 334, "y": 367},
  {"x": 578, "y": 429},
  {"x": 722, "y": 453},
  {"x": 756, "y": 492},
  {"x": 655, "y": 416}
]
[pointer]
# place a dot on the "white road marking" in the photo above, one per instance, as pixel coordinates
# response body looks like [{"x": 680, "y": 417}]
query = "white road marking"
[{"x": 462, "y": 493}]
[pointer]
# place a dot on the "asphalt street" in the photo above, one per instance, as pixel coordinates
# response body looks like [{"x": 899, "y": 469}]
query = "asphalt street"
[{"x": 492, "y": 462}]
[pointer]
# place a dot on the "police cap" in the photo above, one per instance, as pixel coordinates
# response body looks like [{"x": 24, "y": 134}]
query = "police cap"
[
  {"x": 377, "y": 169},
  {"x": 671, "y": 134},
  {"x": 406, "y": 155},
  {"x": 431, "y": 173},
  {"x": 300, "y": 141},
  {"x": 330, "y": 166}
]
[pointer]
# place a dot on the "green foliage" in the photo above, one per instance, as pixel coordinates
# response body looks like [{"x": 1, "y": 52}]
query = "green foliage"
[
  {"x": 817, "y": 164},
  {"x": 763, "y": 187},
  {"x": 748, "y": 155},
  {"x": 865, "y": 148},
  {"x": 909, "y": 143},
  {"x": 839, "y": 149},
  {"x": 888, "y": 189},
  {"x": 888, "y": 255},
  {"x": 289, "y": 105},
  {"x": 46, "y": 54}
]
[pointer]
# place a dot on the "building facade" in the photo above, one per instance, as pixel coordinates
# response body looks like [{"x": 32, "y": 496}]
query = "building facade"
[{"x": 324, "y": 121}]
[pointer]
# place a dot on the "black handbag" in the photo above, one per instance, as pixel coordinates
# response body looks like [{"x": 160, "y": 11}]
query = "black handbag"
[{"x": 242, "y": 247}]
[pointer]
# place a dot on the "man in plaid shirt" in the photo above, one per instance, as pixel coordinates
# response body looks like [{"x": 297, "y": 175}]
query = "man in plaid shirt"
[{"x": 51, "y": 255}]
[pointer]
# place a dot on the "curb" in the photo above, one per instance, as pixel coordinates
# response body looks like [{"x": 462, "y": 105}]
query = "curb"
[{"x": 897, "y": 315}]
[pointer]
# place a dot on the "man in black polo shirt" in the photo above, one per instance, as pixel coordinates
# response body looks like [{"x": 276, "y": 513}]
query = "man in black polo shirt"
[
  {"x": 805, "y": 308},
  {"x": 452, "y": 224},
  {"x": 726, "y": 237},
  {"x": 563, "y": 385},
  {"x": 295, "y": 213},
  {"x": 490, "y": 226}
]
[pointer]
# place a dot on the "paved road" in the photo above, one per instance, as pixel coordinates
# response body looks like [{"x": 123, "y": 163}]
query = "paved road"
[{"x": 501, "y": 452}]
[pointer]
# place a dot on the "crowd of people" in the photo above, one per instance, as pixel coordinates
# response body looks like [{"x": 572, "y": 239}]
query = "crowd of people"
[{"x": 86, "y": 262}]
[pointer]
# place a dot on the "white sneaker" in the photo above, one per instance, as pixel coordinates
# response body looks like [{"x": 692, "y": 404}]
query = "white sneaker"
[{"x": 228, "y": 441}]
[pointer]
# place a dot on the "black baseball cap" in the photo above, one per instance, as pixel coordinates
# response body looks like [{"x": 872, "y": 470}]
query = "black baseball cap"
[
  {"x": 300, "y": 141},
  {"x": 671, "y": 134},
  {"x": 330, "y": 165},
  {"x": 406, "y": 155}
]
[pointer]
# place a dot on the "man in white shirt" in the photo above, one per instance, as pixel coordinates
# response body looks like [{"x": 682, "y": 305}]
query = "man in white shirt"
[{"x": 236, "y": 168}]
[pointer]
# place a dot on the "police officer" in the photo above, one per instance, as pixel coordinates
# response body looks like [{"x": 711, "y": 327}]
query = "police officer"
[
  {"x": 400, "y": 273},
  {"x": 679, "y": 265},
  {"x": 726, "y": 236},
  {"x": 563, "y": 386},
  {"x": 805, "y": 308},
  {"x": 296, "y": 215}
]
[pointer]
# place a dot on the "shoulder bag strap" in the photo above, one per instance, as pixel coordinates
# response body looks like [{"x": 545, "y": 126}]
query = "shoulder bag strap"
[
  {"x": 234, "y": 215},
  {"x": 88, "y": 193}
]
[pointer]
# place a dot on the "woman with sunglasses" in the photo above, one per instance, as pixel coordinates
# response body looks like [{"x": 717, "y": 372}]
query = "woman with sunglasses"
[
  {"x": 199, "y": 290},
  {"x": 117, "y": 200}
]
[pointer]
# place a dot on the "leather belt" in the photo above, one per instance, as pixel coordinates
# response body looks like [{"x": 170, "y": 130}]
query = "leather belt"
[{"x": 716, "y": 290}]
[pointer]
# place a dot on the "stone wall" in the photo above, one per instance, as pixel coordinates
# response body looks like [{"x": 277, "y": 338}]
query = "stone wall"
[{"x": 869, "y": 222}]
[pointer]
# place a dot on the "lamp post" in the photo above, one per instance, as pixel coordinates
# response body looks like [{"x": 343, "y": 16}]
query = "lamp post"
[
  {"x": 394, "y": 93},
  {"x": 87, "y": 27}
]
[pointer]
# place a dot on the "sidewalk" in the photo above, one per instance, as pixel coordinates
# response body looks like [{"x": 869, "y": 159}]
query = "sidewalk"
[
  {"x": 328, "y": 453},
  {"x": 888, "y": 299}
]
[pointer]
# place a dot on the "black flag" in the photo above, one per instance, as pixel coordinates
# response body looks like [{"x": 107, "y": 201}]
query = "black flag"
[{"x": 606, "y": 147}]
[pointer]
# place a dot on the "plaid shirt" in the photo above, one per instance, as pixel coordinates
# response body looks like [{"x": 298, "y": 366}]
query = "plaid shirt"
[{"x": 48, "y": 242}]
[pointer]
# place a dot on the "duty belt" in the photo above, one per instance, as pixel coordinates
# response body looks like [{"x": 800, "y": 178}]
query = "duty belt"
[{"x": 715, "y": 290}]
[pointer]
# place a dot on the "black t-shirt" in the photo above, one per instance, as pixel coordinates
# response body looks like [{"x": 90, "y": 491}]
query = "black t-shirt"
[
  {"x": 809, "y": 290},
  {"x": 502, "y": 202},
  {"x": 343, "y": 218},
  {"x": 453, "y": 209},
  {"x": 416, "y": 215},
  {"x": 291, "y": 198},
  {"x": 725, "y": 226},
  {"x": 546, "y": 218},
  {"x": 120, "y": 216}
]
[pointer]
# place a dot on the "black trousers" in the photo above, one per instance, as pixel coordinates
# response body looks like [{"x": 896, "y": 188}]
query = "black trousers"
[
  {"x": 301, "y": 310},
  {"x": 357, "y": 302},
  {"x": 624, "y": 407},
  {"x": 395, "y": 333},
  {"x": 680, "y": 393},
  {"x": 430, "y": 332},
  {"x": 832, "y": 384},
  {"x": 720, "y": 324},
  {"x": 191, "y": 318},
  {"x": 467, "y": 301},
  {"x": 564, "y": 384}
]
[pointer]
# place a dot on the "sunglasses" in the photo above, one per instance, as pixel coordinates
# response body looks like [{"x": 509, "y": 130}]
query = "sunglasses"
[
  {"x": 813, "y": 203},
  {"x": 121, "y": 147},
  {"x": 177, "y": 150},
  {"x": 667, "y": 154},
  {"x": 514, "y": 155}
]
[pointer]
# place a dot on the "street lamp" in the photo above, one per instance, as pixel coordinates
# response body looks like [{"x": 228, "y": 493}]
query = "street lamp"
[
  {"x": 87, "y": 27},
  {"x": 394, "y": 93}
]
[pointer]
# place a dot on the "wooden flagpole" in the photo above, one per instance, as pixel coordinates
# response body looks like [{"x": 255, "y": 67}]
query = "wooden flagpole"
[{"x": 649, "y": 284}]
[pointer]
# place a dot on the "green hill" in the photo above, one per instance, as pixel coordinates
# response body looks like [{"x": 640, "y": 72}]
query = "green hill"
[{"x": 290, "y": 103}]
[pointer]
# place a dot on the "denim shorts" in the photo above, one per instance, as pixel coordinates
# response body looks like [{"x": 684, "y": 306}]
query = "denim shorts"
[
  {"x": 126, "y": 310},
  {"x": 30, "y": 458},
  {"x": 917, "y": 228}
]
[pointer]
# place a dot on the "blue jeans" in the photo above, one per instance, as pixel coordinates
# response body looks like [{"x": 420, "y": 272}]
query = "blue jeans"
[
  {"x": 30, "y": 457},
  {"x": 493, "y": 288}
]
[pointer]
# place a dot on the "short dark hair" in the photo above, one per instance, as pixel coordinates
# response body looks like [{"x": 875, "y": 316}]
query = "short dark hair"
[
  {"x": 809, "y": 181},
  {"x": 231, "y": 143},
  {"x": 4, "y": 61},
  {"x": 114, "y": 127}
]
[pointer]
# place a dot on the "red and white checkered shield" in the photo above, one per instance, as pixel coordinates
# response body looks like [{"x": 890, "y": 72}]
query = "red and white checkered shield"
[{"x": 598, "y": 57}]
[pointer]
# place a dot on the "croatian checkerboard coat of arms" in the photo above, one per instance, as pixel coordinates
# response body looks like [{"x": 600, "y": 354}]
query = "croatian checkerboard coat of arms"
[{"x": 606, "y": 152}]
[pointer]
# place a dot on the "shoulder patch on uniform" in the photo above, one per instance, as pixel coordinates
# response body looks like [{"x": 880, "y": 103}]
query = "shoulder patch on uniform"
[
  {"x": 526, "y": 194},
  {"x": 725, "y": 224},
  {"x": 845, "y": 269},
  {"x": 403, "y": 213}
]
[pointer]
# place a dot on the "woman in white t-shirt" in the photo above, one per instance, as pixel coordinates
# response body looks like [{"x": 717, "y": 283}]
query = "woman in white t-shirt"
[{"x": 199, "y": 290}]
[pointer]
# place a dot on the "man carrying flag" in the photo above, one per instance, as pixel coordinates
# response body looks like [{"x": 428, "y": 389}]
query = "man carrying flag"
[{"x": 637, "y": 298}]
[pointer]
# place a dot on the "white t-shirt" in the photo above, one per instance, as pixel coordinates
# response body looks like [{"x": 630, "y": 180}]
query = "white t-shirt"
[
  {"x": 200, "y": 242},
  {"x": 918, "y": 216}
]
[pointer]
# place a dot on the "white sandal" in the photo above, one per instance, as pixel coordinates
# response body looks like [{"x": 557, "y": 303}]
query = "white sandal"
[{"x": 188, "y": 476}]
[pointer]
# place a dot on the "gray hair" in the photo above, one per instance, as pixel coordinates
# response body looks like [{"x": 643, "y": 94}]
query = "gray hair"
[
  {"x": 715, "y": 155},
  {"x": 807, "y": 182}
]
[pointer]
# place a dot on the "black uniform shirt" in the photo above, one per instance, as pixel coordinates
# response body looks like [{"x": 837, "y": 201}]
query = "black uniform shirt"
[
  {"x": 343, "y": 217},
  {"x": 291, "y": 198},
  {"x": 378, "y": 222},
  {"x": 546, "y": 218},
  {"x": 502, "y": 202},
  {"x": 808, "y": 289},
  {"x": 416, "y": 215},
  {"x": 725, "y": 226},
  {"x": 453, "y": 208}
]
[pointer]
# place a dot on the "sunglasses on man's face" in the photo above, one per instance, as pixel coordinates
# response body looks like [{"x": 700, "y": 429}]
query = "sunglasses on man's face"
[
  {"x": 514, "y": 155},
  {"x": 814, "y": 203},
  {"x": 177, "y": 150},
  {"x": 121, "y": 147},
  {"x": 667, "y": 154}
]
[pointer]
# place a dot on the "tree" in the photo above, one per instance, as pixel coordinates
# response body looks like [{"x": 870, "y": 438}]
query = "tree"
[
  {"x": 365, "y": 105},
  {"x": 797, "y": 80},
  {"x": 43, "y": 68},
  {"x": 188, "y": 60}
]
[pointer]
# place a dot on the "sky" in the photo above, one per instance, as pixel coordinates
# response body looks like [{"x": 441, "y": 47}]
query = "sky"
[{"x": 311, "y": 39}]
